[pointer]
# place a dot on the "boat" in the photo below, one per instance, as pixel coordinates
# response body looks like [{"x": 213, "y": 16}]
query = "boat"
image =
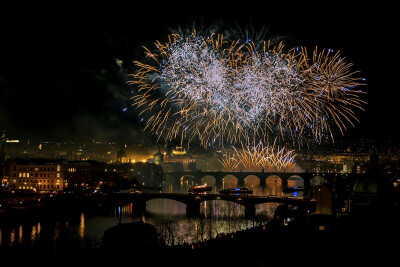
[
  {"x": 292, "y": 189},
  {"x": 199, "y": 189},
  {"x": 236, "y": 191}
]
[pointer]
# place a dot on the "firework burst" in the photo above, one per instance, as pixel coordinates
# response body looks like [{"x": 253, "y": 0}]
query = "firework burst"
[
  {"x": 269, "y": 157},
  {"x": 217, "y": 91},
  {"x": 330, "y": 83},
  {"x": 229, "y": 162}
]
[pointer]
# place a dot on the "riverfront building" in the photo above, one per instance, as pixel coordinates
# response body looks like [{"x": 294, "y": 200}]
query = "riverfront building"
[{"x": 34, "y": 174}]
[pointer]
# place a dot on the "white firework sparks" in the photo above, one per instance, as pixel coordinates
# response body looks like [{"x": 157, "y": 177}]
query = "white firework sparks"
[{"x": 203, "y": 87}]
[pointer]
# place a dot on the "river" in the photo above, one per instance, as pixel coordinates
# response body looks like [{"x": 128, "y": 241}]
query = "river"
[{"x": 168, "y": 216}]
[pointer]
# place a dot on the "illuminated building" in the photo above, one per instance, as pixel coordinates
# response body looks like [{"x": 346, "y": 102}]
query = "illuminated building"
[
  {"x": 39, "y": 175},
  {"x": 83, "y": 173},
  {"x": 148, "y": 174},
  {"x": 121, "y": 155},
  {"x": 158, "y": 158},
  {"x": 178, "y": 151}
]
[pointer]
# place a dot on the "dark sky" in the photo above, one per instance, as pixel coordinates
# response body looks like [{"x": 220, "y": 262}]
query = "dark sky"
[{"x": 59, "y": 78}]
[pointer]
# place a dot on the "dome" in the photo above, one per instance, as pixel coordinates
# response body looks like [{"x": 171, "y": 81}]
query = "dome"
[{"x": 121, "y": 153}]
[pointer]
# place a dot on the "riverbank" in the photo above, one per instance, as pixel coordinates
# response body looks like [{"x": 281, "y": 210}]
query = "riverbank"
[
  {"x": 357, "y": 238},
  {"x": 351, "y": 239}
]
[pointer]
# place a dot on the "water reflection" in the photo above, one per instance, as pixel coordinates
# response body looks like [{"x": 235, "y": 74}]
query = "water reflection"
[
  {"x": 18, "y": 234},
  {"x": 12, "y": 237},
  {"x": 82, "y": 226},
  {"x": 168, "y": 216}
]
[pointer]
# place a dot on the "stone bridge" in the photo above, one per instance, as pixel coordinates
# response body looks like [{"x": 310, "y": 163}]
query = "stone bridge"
[
  {"x": 193, "y": 201},
  {"x": 241, "y": 177}
]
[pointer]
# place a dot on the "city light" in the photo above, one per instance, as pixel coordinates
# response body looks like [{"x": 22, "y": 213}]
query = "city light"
[{"x": 173, "y": 135}]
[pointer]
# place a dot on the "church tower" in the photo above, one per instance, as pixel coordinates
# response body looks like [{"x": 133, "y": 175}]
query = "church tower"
[
  {"x": 121, "y": 155},
  {"x": 158, "y": 157},
  {"x": 3, "y": 147}
]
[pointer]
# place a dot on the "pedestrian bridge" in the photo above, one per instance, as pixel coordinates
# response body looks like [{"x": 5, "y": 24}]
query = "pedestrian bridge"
[{"x": 193, "y": 201}]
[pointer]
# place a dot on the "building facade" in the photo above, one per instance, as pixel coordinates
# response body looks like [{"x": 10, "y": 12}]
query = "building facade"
[
  {"x": 38, "y": 175},
  {"x": 82, "y": 174}
]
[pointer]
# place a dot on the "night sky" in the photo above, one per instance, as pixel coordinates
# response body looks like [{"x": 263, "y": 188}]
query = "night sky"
[{"x": 59, "y": 78}]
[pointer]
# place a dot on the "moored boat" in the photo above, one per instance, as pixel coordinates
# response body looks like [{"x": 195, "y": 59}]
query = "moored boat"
[
  {"x": 292, "y": 189},
  {"x": 237, "y": 191},
  {"x": 198, "y": 189}
]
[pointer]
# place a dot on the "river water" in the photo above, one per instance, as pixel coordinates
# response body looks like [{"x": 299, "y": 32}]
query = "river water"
[{"x": 168, "y": 216}]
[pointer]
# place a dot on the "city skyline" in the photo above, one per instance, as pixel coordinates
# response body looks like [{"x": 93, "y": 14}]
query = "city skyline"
[
  {"x": 71, "y": 81},
  {"x": 82, "y": 182}
]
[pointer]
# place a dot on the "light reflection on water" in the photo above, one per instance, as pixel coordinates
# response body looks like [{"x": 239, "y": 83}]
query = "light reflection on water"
[{"x": 217, "y": 217}]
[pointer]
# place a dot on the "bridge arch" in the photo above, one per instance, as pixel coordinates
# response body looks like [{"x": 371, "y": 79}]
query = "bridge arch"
[
  {"x": 273, "y": 185},
  {"x": 252, "y": 180},
  {"x": 317, "y": 180},
  {"x": 166, "y": 206},
  {"x": 230, "y": 181},
  {"x": 273, "y": 179},
  {"x": 209, "y": 180},
  {"x": 295, "y": 180},
  {"x": 186, "y": 181},
  {"x": 187, "y": 178}
]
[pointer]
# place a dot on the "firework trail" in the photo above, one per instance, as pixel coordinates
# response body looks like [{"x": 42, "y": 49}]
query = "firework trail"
[
  {"x": 257, "y": 157},
  {"x": 206, "y": 88}
]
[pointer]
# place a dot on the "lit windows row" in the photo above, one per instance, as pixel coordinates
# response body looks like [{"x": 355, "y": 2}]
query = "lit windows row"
[
  {"x": 40, "y": 187},
  {"x": 35, "y": 181},
  {"x": 31, "y": 168},
  {"x": 27, "y": 175}
]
